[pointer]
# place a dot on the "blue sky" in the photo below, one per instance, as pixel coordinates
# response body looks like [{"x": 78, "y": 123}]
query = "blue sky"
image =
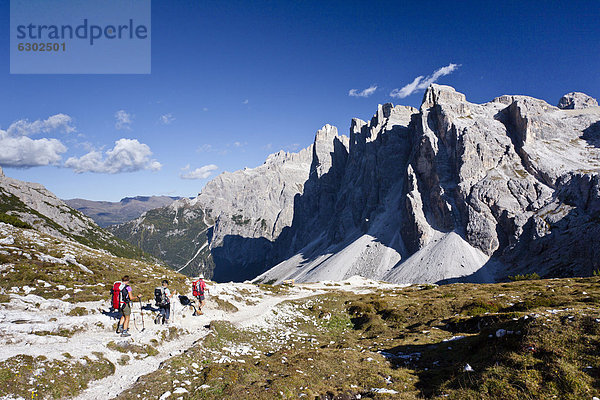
[{"x": 234, "y": 81}]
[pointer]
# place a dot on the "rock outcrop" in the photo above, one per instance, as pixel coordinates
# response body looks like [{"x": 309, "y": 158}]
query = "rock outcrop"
[
  {"x": 454, "y": 191},
  {"x": 576, "y": 100}
]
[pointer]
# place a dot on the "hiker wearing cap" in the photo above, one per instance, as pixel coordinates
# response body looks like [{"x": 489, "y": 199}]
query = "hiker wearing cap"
[
  {"x": 125, "y": 294},
  {"x": 162, "y": 295},
  {"x": 198, "y": 289}
]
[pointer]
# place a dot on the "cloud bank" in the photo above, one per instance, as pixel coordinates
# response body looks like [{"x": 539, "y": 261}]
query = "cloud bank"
[
  {"x": 20, "y": 151},
  {"x": 56, "y": 122},
  {"x": 128, "y": 155},
  {"x": 421, "y": 82},
  {"x": 24, "y": 152}
]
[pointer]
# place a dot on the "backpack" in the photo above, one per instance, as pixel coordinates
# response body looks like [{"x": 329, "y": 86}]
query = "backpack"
[
  {"x": 119, "y": 295},
  {"x": 114, "y": 296},
  {"x": 160, "y": 297},
  {"x": 198, "y": 288}
]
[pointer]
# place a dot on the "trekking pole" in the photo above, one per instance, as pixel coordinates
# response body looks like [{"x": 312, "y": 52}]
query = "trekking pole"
[
  {"x": 142, "y": 312},
  {"x": 172, "y": 305},
  {"x": 134, "y": 321}
]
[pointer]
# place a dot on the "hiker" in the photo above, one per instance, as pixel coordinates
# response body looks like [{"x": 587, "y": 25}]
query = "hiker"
[
  {"x": 123, "y": 293},
  {"x": 198, "y": 289},
  {"x": 163, "y": 295}
]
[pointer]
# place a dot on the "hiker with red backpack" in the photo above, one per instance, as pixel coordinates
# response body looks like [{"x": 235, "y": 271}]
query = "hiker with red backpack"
[
  {"x": 121, "y": 300},
  {"x": 198, "y": 289}
]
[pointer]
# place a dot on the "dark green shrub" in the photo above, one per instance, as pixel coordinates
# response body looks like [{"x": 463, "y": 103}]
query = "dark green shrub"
[
  {"x": 524, "y": 277},
  {"x": 14, "y": 221}
]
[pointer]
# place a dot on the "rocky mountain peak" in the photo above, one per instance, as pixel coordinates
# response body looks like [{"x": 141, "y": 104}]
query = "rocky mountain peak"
[
  {"x": 391, "y": 115},
  {"x": 453, "y": 191},
  {"x": 383, "y": 112},
  {"x": 1, "y": 172},
  {"x": 327, "y": 132},
  {"x": 440, "y": 94},
  {"x": 456, "y": 189},
  {"x": 576, "y": 100}
]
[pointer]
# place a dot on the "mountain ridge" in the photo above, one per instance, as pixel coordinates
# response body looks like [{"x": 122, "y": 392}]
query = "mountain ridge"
[
  {"x": 451, "y": 191},
  {"x": 31, "y": 204}
]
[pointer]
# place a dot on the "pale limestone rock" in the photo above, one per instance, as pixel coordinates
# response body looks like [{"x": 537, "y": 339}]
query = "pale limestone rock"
[
  {"x": 576, "y": 100},
  {"x": 56, "y": 218},
  {"x": 34, "y": 204},
  {"x": 454, "y": 191}
]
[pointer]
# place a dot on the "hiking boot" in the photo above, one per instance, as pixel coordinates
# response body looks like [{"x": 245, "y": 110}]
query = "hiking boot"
[
  {"x": 157, "y": 320},
  {"x": 119, "y": 329},
  {"x": 125, "y": 333}
]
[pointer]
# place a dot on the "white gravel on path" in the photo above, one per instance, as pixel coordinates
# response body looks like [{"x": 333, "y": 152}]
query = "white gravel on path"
[{"x": 25, "y": 315}]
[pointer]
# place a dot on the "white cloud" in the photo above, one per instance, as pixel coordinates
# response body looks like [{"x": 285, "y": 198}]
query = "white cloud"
[
  {"x": 363, "y": 93},
  {"x": 56, "y": 122},
  {"x": 123, "y": 120},
  {"x": 19, "y": 150},
  {"x": 167, "y": 118},
  {"x": 205, "y": 148},
  {"x": 24, "y": 152},
  {"x": 128, "y": 155},
  {"x": 199, "y": 173},
  {"x": 245, "y": 101},
  {"x": 421, "y": 82}
]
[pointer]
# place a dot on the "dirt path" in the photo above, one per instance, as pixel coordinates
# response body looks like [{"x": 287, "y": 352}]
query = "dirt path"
[
  {"x": 126, "y": 376},
  {"x": 34, "y": 326}
]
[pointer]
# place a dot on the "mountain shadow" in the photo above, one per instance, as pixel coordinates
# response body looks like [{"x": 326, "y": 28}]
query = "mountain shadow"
[{"x": 591, "y": 134}]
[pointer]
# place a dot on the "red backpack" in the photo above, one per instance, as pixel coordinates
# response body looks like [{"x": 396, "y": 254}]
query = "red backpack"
[
  {"x": 198, "y": 287},
  {"x": 118, "y": 295}
]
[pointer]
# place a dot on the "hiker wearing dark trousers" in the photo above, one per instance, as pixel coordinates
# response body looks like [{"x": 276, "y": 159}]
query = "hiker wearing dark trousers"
[
  {"x": 125, "y": 296},
  {"x": 163, "y": 301},
  {"x": 198, "y": 289}
]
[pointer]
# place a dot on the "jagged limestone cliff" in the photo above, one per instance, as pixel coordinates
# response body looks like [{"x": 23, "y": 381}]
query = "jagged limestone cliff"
[{"x": 452, "y": 191}]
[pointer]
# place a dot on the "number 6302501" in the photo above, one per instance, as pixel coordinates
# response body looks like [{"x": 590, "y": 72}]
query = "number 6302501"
[{"x": 42, "y": 46}]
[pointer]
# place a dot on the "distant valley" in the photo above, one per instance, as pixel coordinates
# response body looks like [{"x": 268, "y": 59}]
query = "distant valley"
[{"x": 106, "y": 213}]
